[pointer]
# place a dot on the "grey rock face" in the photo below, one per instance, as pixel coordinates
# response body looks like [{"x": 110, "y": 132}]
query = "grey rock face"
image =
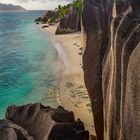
[
  {"x": 122, "y": 88},
  {"x": 96, "y": 23},
  {"x": 37, "y": 122},
  {"x": 70, "y": 23},
  {"x": 45, "y": 18},
  {"x": 111, "y": 69},
  {"x": 6, "y": 133}
]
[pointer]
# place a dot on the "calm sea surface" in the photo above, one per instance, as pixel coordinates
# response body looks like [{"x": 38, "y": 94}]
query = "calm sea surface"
[{"x": 26, "y": 62}]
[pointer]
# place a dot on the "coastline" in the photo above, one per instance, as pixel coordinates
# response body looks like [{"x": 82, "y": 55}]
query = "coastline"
[{"x": 72, "y": 94}]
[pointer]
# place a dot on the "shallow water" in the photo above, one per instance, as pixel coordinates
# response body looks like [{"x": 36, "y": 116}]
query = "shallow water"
[{"x": 27, "y": 61}]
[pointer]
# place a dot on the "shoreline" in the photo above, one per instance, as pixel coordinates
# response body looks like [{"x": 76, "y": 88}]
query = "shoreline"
[
  {"x": 61, "y": 61},
  {"x": 72, "y": 94}
]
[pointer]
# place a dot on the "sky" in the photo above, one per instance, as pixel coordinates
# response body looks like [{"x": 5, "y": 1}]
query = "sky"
[{"x": 37, "y": 4}]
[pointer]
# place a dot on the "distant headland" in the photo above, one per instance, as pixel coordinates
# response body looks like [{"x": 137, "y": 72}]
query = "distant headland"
[{"x": 10, "y": 7}]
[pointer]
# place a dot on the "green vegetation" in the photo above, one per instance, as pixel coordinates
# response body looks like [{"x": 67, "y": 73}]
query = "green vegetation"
[
  {"x": 53, "y": 19},
  {"x": 78, "y": 4},
  {"x": 62, "y": 11}
]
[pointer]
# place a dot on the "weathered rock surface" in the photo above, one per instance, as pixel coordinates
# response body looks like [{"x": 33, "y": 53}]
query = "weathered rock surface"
[
  {"x": 121, "y": 6},
  {"x": 6, "y": 133},
  {"x": 46, "y": 18},
  {"x": 121, "y": 80},
  {"x": 70, "y": 23},
  {"x": 37, "y": 122},
  {"x": 111, "y": 67},
  {"x": 96, "y": 23}
]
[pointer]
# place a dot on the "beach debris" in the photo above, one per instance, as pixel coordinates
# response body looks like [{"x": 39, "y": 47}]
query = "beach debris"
[{"x": 89, "y": 104}]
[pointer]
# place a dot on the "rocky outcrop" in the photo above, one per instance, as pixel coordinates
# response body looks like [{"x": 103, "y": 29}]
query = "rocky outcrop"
[
  {"x": 70, "y": 23},
  {"x": 6, "y": 133},
  {"x": 37, "y": 122},
  {"x": 46, "y": 18},
  {"x": 121, "y": 6},
  {"x": 121, "y": 80},
  {"x": 96, "y": 23},
  {"x": 111, "y": 67}
]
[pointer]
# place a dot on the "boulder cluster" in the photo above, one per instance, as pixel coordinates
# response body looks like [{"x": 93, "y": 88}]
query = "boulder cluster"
[
  {"x": 37, "y": 122},
  {"x": 67, "y": 24}
]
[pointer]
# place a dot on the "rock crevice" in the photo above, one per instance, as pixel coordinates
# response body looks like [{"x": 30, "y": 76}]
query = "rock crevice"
[{"x": 111, "y": 70}]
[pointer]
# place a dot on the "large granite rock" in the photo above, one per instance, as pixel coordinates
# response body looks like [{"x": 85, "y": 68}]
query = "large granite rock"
[
  {"x": 7, "y": 133},
  {"x": 96, "y": 25},
  {"x": 46, "y": 18},
  {"x": 121, "y": 79},
  {"x": 70, "y": 23},
  {"x": 37, "y": 122},
  {"x": 111, "y": 67},
  {"x": 121, "y": 6}
]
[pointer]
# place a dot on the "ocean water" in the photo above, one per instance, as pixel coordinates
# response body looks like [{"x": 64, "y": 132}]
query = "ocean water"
[{"x": 27, "y": 61}]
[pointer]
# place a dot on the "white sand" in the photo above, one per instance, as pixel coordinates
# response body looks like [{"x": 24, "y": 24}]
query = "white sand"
[{"x": 72, "y": 91}]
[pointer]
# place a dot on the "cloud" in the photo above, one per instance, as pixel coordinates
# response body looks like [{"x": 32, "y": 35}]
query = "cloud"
[
  {"x": 37, "y": 4},
  {"x": 22, "y": 1}
]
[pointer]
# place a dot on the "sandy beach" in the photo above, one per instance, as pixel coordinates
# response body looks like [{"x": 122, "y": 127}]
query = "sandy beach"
[{"x": 71, "y": 89}]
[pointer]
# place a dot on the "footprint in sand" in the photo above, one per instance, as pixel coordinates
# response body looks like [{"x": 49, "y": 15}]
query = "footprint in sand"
[
  {"x": 89, "y": 105},
  {"x": 80, "y": 53},
  {"x": 69, "y": 84}
]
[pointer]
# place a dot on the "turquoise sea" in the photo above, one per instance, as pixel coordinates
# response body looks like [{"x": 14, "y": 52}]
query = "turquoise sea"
[{"x": 26, "y": 61}]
